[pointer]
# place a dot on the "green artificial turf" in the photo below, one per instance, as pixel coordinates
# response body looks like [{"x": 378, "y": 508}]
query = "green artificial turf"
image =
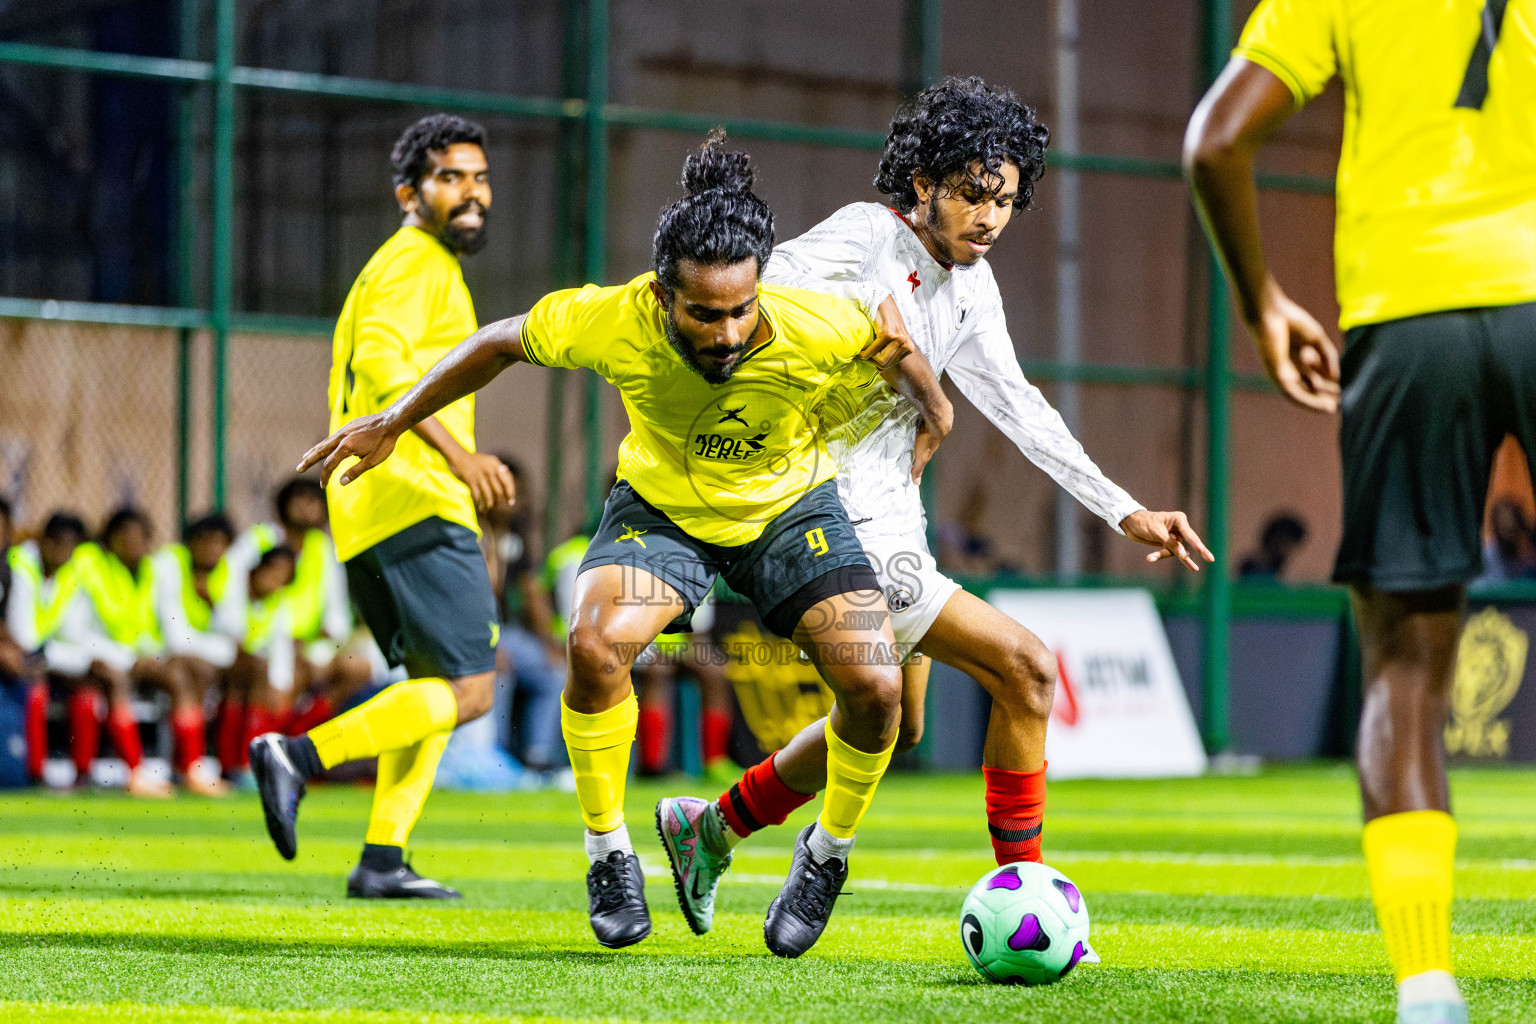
[{"x": 1219, "y": 899}]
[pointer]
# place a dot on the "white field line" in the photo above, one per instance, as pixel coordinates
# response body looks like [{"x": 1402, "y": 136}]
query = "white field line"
[{"x": 1152, "y": 857}]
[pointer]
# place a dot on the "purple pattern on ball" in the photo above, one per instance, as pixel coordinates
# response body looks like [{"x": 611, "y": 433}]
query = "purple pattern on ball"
[
  {"x": 1029, "y": 935},
  {"x": 1077, "y": 954},
  {"x": 1074, "y": 898},
  {"x": 1008, "y": 878}
]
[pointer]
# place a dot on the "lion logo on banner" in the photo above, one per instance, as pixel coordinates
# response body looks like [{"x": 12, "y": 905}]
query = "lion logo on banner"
[{"x": 1490, "y": 664}]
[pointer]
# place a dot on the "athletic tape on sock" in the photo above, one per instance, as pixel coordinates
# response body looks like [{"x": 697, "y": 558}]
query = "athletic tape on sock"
[
  {"x": 599, "y": 749},
  {"x": 1409, "y": 858},
  {"x": 852, "y": 776}
]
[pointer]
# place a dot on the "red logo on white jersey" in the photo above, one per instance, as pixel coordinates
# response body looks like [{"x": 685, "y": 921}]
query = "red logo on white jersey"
[
  {"x": 912, "y": 277},
  {"x": 1064, "y": 711}
]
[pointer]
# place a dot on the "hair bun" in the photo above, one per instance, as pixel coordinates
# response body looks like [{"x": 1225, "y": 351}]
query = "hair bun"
[{"x": 715, "y": 167}]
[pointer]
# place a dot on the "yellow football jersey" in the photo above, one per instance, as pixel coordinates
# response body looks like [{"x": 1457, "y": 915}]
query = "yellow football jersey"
[
  {"x": 720, "y": 460},
  {"x": 1437, "y": 175},
  {"x": 407, "y": 308}
]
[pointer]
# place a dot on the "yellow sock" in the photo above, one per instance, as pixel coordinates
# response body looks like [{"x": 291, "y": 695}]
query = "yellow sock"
[
  {"x": 852, "y": 776},
  {"x": 599, "y": 748},
  {"x": 405, "y": 779},
  {"x": 1409, "y": 859},
  {"x": 401, "y": 716}
]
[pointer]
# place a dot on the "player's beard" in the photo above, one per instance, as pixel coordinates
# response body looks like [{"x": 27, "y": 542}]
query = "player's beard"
[
  {"x": 464, "y": 241},
  {"x": 714, "y": 374}
]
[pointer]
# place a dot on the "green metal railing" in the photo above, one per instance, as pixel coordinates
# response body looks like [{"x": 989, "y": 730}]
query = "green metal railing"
[{"x": 593, "y": 115}]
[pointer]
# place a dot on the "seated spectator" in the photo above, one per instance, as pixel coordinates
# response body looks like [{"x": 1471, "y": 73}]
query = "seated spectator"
[
  {"x": 331, "y": 667},
  {"x": 1282, "y": 536},
  {"x": 262, "y": 681},
  {"x": 111, "y": 617},
  {"x": 1509, "y": 552},
  {"x": 41, "y": 581},
  {"x": 21, "y": 666}
]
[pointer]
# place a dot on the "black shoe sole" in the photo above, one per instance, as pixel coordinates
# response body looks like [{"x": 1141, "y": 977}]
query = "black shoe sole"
[
  {"x": 620, "y": 945},
  {"x": 276, "y": 827},
  {"x": 769, "y": 943},
  {"x": 402, "y": 897},
  {"x": 677, "y": 879}
]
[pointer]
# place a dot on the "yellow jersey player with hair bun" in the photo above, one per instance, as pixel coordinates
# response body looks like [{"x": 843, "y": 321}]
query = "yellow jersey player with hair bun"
[{"x": 725, "y": 472}]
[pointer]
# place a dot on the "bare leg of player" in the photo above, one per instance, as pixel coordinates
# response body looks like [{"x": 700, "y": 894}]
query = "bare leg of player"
[{"x": 1408, "y": 646}]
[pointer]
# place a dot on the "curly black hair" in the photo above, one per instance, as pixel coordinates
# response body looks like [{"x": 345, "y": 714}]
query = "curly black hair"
[
  {"x": 720, "y": 221},
  {"x": 951, "y": 125},
  {"x": 433, "y": 133}
]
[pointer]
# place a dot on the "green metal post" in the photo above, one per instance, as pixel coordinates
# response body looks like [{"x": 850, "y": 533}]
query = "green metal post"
[
  {"x": 223, "y": 219},
  {"x": 1218, "y": 391},
  {"x": 596, "y": 244},
  {"x": 186, "y": 242},
  {"x": 921, "y": 67},
  {"x": 567, "y": 265}
]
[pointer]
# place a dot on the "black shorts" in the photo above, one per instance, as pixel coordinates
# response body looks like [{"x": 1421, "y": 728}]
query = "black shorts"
[
  {"x": 426, "y": 596},
  {"x": 1427, "y": 401},
  {"x": 807, "y": 554}
]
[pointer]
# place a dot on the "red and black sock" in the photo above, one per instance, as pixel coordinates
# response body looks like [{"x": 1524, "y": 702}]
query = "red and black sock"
[
  {"x": 716, "y": 734},
  {"x": 1015, "y": 812},
  {"x": 760, "y": 799},
  {"x": 84, "y": 731},
  {"x": 190, "y": 731},
  {"x": 655, "y": 735},
  {"x": 37, "y": 729},
  {"x": 123, "y": 729},
  {"x": 232, "y": 752}
]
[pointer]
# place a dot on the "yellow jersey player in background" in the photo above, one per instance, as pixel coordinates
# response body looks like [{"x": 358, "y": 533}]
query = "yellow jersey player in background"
[
  {"x": 1435, "y": 256},
  {"x": 408, "y": 534},
  {"x": 725, "y": 472}
]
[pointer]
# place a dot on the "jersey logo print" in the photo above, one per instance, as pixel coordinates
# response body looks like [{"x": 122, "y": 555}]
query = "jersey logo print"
[
  {"x": 912, "y": 279},
  {"x": 733, "y": 415},
  {"x": 630, "y": 533}
]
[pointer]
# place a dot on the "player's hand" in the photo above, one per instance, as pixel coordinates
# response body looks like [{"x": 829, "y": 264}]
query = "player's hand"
[
  {"x": 929, "y": 436},
  {"x": 893, "y": 342},
  {"x": 1170, "y": 533},
  {"x": 488, "y": 478},
  {"x": 369, "y": 439},
  {"x": 1297, "y": 353}
]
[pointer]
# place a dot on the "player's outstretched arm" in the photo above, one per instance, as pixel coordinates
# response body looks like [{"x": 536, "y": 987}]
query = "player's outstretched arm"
[
  {"x": 1245, "y": 107},
  {"x": 912, "y": 376},
  {"x": 1170, "y": 533},
  {"x": 470, "y": 366}
]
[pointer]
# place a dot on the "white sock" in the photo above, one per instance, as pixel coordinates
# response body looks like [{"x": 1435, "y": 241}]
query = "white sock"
[
  {"x": 717, "y": 831},
  {"x": 1428, "y": 987},
  {"x": 601, "y": 844},
  {"x": 826, "y": 846}
]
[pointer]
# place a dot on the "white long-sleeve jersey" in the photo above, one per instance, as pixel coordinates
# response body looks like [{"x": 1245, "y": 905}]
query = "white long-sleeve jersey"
[
  {"x": 865, "y": 252},
  {"x": 213, "y": 645}
]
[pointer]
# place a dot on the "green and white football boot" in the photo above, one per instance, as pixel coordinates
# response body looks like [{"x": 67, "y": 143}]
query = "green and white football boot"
[{"x": 692, "y": 833}]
